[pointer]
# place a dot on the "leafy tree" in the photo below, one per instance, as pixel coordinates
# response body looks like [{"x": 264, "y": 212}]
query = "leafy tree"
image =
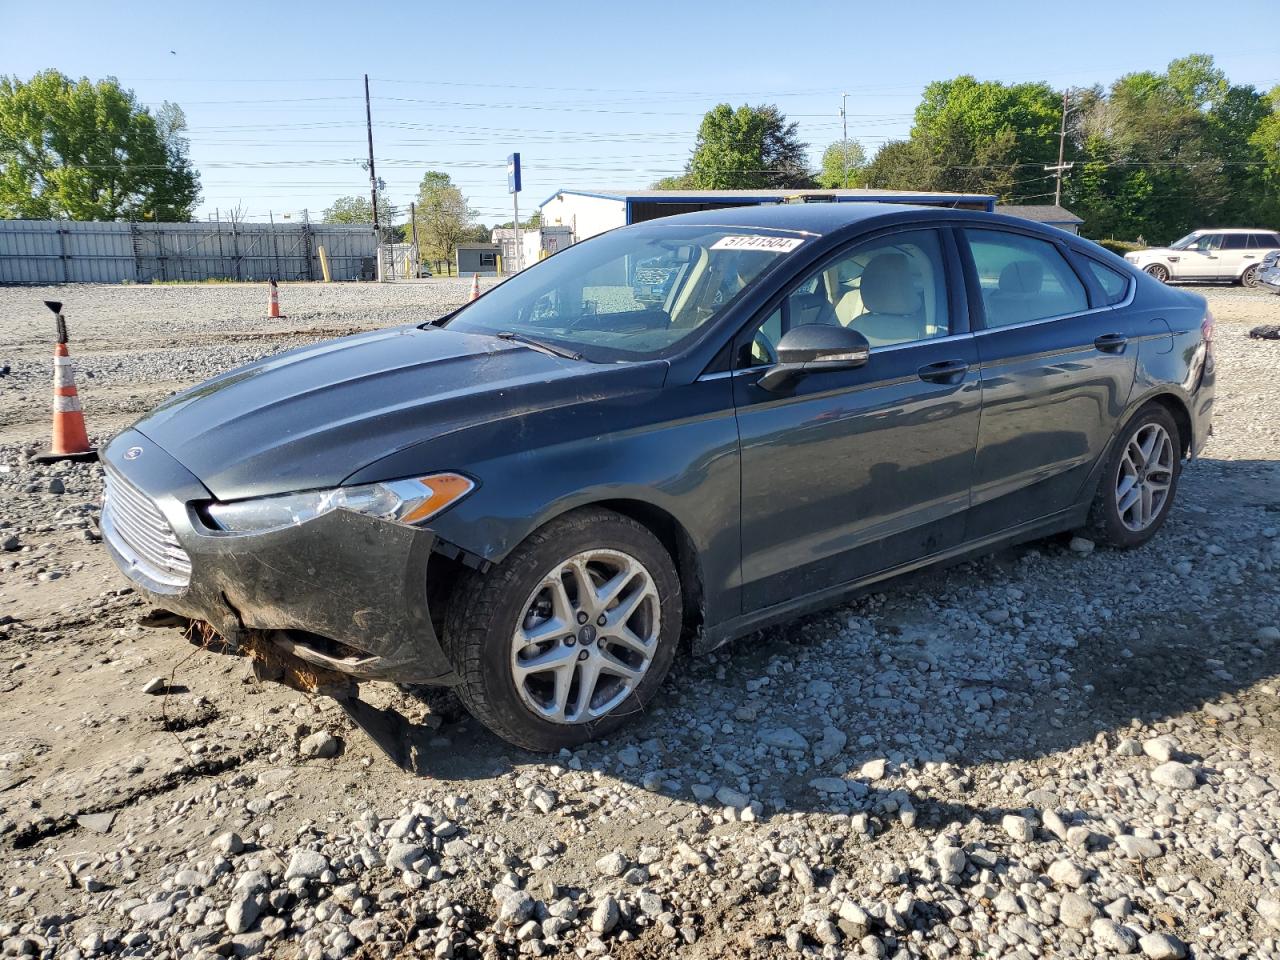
[
  {"x": 747, "y": 148},
  {"x": 443, "y": 216},
  {"x": 89, "y": 151},
  {"x": 358, "y": 209},
  {"x": 843, "y": 164}
]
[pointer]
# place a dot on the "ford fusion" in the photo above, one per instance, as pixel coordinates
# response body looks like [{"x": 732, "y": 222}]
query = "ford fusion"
[{"x": 681, "y": 430}]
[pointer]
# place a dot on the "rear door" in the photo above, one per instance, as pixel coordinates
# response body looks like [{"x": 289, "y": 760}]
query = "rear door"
[{"x": 1057, "y": 369}]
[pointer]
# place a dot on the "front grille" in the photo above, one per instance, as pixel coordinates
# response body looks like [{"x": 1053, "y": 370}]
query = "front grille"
[{"x": 139, "y": 532}]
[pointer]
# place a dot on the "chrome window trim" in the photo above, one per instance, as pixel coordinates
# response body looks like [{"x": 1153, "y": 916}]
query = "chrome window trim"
[{"x": 1129, "y": 297}]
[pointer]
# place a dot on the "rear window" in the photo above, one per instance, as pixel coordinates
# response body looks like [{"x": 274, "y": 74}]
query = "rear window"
[
  {"x": 1114, "y": 284},
  {"x": 1235, "y": 241}
]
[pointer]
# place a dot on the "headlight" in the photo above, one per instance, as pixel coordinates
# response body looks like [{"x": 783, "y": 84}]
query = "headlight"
[{"x": 408, "y": 501}]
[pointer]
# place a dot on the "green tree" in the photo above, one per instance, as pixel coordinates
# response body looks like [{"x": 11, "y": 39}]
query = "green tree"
[
  {"x": 443, "y": 216},
  {"x": 747, "y": 148},
  {"x": 358, "y": 209},
  {"x": 843, "y": 164},
  {"x": 89, "y": 151}
]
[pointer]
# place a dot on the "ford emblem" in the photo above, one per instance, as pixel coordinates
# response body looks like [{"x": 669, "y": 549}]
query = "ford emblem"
[{"x": 133, "y": 453}]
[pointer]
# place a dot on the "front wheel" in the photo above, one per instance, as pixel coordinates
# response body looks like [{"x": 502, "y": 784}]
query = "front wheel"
[
  {"x": 1139, "y": 480},
  {"x": 1250, "y": 277},
  {"x": 571, "y": 635},
  {"x": 1159, "y": 272}
]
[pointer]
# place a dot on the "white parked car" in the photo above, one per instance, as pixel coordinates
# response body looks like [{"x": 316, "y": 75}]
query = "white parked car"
[{"x": 1227, "y": 254}]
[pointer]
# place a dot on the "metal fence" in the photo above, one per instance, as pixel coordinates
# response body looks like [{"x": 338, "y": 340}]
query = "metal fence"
[{"x": 65, "y": 251}]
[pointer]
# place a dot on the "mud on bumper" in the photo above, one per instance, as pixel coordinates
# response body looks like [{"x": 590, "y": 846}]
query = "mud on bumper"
[{"x": 343, "y": 592}]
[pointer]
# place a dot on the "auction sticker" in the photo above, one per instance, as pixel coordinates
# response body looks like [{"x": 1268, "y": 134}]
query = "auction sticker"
[{"x": 766, "y": 244}]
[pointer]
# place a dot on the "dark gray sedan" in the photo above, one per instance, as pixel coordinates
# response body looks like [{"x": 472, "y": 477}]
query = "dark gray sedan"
[{"x": 694, "y": 428}]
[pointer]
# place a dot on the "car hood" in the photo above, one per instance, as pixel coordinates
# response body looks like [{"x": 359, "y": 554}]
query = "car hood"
[{"x": 309, "y": 418}]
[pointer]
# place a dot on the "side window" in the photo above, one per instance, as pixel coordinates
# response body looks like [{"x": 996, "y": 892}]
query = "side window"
[
  {"x": 1114, "y": 283},
  {"x": 891, "y": 290},
  {"x": 1023, "y": 278},
  {"x": 1235, "y": 241}
]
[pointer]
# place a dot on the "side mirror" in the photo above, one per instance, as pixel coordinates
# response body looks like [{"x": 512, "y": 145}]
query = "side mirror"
[{"x": 814, "y": 348}]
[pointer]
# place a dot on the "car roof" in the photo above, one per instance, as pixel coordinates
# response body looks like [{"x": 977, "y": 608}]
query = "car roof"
[
  {"x": 1234, "y": 230},
  {"x": 822, "y": 219}
]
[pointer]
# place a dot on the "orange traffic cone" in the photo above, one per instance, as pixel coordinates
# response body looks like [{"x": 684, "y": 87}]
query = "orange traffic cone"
[
  {"x": 70, "y": 439},
  {"x": 273, "y": 309},
  {"x": 475, "y": 286}
]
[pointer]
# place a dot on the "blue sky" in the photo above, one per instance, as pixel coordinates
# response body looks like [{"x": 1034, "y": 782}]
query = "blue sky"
[{"x": 593, "y": 94}]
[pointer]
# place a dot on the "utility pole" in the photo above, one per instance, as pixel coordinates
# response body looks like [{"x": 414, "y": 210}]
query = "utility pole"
[
  {"x": 844, "y": 140},
  {"x": 413, "y": 222},
  {"x": 373, "y": 175},
  {"x": 1058, "y": 168}
]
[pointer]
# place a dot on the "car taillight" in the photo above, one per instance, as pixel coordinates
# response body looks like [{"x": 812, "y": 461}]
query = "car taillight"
[{"x": 1207, "y": 327}]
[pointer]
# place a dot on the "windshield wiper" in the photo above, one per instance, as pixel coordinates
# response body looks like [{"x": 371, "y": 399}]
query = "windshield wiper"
[{"x": 542, "y": 345}]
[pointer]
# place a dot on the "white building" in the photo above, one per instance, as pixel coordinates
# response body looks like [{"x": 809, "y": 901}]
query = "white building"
[
  {"x": 537, "y": 243},
  {"x": 586, "y": 213}
]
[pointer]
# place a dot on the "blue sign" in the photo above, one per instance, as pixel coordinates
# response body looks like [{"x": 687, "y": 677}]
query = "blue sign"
[{"x": 513, "y": 173}]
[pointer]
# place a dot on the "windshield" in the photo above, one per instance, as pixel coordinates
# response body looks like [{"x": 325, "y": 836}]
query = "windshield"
[
  {"x": 631, "y": 294},
  {"x": 1185, "y": 242}
]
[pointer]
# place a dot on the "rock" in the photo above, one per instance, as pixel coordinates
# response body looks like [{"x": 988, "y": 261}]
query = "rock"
[
  {"x": 545, "y": 800},
  {"x": 155, "y": 685},
  {"x": 1128, "y": 747},
  {"x": 1269, "y": 910},
  {"x": 514, "y": 906},
  {"x": 242, "y": 911},
  {"x": 1162, "y": 946},
  {"x": 306, "y": 864},
  {"x": 951, "y": 862},
  {"x": 854, "y": 921},
  {"x": 149, "y": 913},
  {"x": 56, "y": 486},
  {"x": 1265, "y": 634},
  {"x": 97, "y": 822},
  {"x": 785, "y": 738},
  {"x": 1139, "y": 848},
  {"x": 612, "y": 865},
  {"x": 702, "y": 792},
  {"x": 11, "y": 544},
  {"x": 873, "y": 769},
  {"x": 321, "y": 745},
  {"x": 1175, "y": 775},
  {"x": 1077, "y": 912},
  {"x": 1112, "y": 936},
  {"x": 832, "y": 785},
  {"x": 1067, "y": 874},
  {"x": 730, "y": 797},
  {"x": 605, "y": 916},
  {"x": 364, "y": 930},
  {"x": 826, "y": 932},
  {"x": 629, "y": 757},
  {"x": 832, "y": 742},
  {"x": 1019, "y": 828},
  {"x": 1081, "y": 545},
  {"x": 402, "y": 856},
  {"x": 228, "y": 843},
  {"x": 1159, "y": 749},
  {"x": 996, "y": 616}
]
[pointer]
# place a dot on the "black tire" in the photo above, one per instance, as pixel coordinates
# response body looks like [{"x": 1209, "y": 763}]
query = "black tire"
[
  {"x": 486, "y": 607},
  {"x": 1106, "y": 525},
  {"x": 1158, "y": 272},
  {"x": 1250, "y": 277}
]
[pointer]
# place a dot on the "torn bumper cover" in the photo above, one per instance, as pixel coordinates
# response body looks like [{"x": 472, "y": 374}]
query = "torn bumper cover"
[{"x": 344, "y": 592}]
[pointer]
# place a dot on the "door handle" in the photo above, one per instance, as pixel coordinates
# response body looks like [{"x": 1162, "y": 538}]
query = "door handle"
[
  {"x": 1111, "y": 342},
  {"x": 944, "y": 371}
]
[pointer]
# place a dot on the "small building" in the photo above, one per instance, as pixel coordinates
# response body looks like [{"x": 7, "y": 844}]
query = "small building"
[
  {"x": 1047, "y": 213},
  {"x": 481, "y": 258},
  {"x": 538, "y": 242},
  {"x": 589, "y": 212}
]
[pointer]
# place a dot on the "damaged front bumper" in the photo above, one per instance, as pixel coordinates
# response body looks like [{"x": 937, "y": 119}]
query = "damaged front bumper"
[{"x": 345, "y": 593}]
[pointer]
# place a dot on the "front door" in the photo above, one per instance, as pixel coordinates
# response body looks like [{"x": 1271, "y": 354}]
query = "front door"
[
  {"x": 1202, "y": 260},
  {"x": 848, "y": 473},
  {"x": 1056, "y": 376}
]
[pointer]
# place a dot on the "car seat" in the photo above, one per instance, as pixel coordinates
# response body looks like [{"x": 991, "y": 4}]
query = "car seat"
[
  {"x": 1018, "y": 296},
  {"x": 894, "y": 313}
]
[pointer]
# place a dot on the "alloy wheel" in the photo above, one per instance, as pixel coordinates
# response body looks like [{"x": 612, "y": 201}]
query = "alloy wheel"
[
  {"x": 1158, "y": 272},
  {"x": 1145, "y": 477},
  {"x": 586, "y": 636},
  {"x": 1250, "y": 278}
]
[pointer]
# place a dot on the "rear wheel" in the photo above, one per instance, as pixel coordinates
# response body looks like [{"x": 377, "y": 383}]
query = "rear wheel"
[
  {"x": 571, "y": 635},
  {"x": 1139, "y": 480},
  {"x": 1159, "y": 271},
  {"x": 1250, "y": 277}
]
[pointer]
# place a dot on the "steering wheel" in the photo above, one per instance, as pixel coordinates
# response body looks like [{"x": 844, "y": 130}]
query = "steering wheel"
[{"x": 765, "y": 346}]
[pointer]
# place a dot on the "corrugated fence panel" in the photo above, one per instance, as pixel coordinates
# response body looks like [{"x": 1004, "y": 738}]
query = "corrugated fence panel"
[{"x": 42, "y": 251}]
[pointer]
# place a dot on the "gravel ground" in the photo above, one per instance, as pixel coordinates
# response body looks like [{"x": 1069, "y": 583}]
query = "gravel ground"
[{"x": 1051, "y": 752}]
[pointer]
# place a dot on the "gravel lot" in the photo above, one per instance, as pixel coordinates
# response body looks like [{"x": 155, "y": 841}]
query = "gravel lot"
[{"x": 1051, "y": 752}]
